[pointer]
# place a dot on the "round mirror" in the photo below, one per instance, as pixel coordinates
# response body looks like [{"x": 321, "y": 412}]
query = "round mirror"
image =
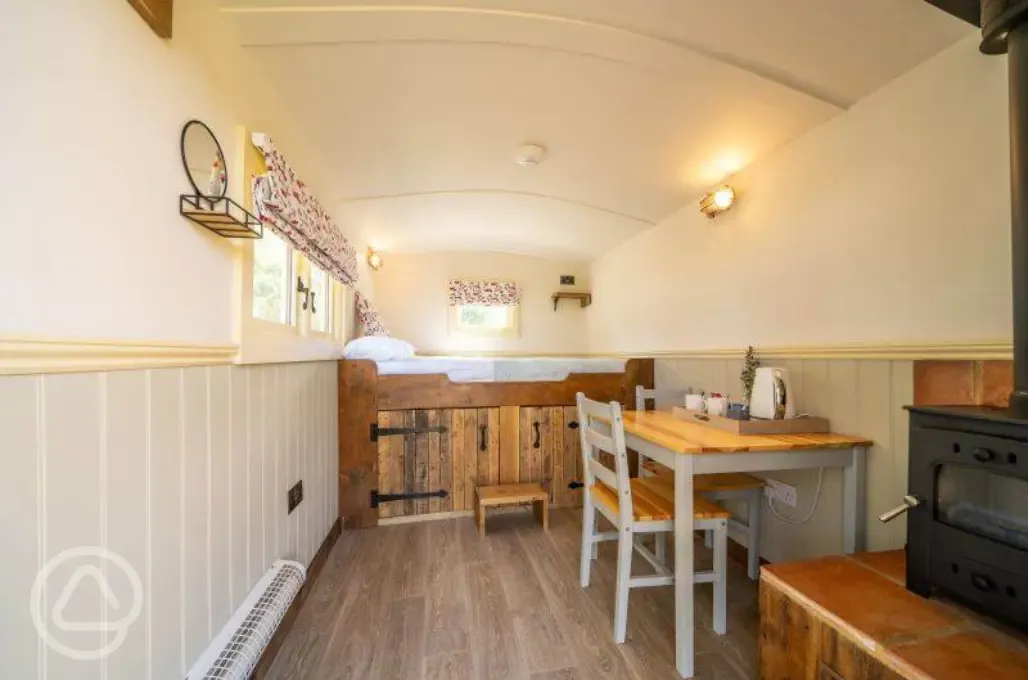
[{"x": 204, "y": 161}]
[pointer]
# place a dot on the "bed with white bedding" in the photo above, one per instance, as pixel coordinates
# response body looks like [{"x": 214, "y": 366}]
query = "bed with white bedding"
[{"x": 500, "y": 369}]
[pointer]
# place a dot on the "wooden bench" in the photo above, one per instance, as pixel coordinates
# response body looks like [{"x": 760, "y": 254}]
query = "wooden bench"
[{"x": 512, "y": 494}]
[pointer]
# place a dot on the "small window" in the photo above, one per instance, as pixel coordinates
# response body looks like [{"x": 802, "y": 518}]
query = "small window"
[
  {"x": 499, "y": 320},
  {"x": 321, "y": 301},
  {"x": 272, "y": 274}
]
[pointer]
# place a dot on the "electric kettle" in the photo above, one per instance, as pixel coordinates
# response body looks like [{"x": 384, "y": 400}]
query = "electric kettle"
[{"x": 772, "y": 397}]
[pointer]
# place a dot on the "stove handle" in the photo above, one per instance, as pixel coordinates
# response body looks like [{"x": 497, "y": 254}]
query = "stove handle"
[
  {"x": 982, "y": 582},
  {"x": 908, "y": 503},
  {"x": 983, "y": 455}
]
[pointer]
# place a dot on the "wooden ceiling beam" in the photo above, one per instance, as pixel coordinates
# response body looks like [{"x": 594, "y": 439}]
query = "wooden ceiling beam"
[{"x": 156, "y": 13}]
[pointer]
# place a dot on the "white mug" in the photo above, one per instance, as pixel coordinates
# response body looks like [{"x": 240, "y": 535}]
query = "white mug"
[
  {"x": 696, "y": 402},
  {"x": 717, "y": 406}
]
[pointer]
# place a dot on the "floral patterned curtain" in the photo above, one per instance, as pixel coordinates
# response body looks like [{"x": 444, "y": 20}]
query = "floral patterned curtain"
[
  {"x": 494, "y": 293},
  {"x": 284, "y": 203},
  {"x": 368, "y": 319}
]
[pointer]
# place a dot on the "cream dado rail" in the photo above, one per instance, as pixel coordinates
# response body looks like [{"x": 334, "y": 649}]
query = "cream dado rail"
[
  {"x": 184, "y": 473},
  {"x": 24, "y": 355}
]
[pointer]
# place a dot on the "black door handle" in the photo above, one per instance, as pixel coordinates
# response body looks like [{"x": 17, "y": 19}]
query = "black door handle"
[
  {"x": 983, "y": 455},
  {"x": 982, "y": 582},
  {"x": 575, "y": 485},
  {"x": 535, "y": 444},
  {"x": 573, "y": 424},
  {"x": 481, "y": 440}
]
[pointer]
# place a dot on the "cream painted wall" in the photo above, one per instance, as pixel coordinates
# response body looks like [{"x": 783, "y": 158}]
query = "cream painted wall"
[
  {"x": 889, "y": 223},
  {"x": 94, "y": 245},
  {"x": 181, "y": 472},
  {"x": 411, "y": 290},
  {"x": 858, "y": 397}
]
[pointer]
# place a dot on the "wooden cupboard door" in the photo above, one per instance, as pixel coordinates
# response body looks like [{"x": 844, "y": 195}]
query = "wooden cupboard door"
[
  {"x": 440, "y": 463},
  {"x": 464, "y": 423},
  {"x": 411, "y": 463},
  {"x": 510, "y": 444},
  {"x": 542, "y": 450},
  {"x": 571, "y": 470},
  {"x": 535, "y": 426},
  {"x": 475, "y": 449},
  {"x": 391, "y": 461},
  {"x": 488, "y": 449}
]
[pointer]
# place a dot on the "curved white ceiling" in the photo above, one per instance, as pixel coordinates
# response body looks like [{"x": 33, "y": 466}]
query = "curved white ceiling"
[{"x": 642, "y": 105}]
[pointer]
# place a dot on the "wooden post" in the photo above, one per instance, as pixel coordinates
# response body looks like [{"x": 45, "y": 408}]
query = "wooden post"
[{"x": 358, "y": 455}]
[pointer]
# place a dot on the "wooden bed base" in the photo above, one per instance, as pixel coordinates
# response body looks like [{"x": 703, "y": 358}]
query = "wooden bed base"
[{"x": 468, "y": 433}]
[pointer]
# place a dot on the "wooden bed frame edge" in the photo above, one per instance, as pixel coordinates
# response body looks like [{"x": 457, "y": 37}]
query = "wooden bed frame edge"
[{"x": 363, "y": 393}]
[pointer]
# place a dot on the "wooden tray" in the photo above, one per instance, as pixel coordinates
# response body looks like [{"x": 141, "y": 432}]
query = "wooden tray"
[{"x": 804, "y": 425}]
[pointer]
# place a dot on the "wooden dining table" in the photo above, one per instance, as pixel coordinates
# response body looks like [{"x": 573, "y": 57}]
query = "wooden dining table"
[{"x": 691, "y": 449}]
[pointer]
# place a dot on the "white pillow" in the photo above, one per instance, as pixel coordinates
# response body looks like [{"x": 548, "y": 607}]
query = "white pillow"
[{"x": 379, "y": 349}]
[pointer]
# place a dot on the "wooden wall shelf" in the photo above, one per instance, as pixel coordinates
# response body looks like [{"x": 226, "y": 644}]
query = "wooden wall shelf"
[{"x": 585, "y": 299}]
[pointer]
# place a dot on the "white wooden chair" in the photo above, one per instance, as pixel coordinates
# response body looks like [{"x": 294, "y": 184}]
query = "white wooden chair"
[
  {"x": 724, "y": 486},
  {"x": 637, "y": 507}
]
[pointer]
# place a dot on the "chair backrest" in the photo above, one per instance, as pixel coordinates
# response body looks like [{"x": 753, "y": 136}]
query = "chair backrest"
[
  {"x": 602, "y": 430},
  {"x": 642, "y": 394}
]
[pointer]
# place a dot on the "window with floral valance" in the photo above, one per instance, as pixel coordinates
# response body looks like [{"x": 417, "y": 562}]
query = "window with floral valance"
[
  {"x": 283, "y": 202},
  {"x": 486, "y": 293}
]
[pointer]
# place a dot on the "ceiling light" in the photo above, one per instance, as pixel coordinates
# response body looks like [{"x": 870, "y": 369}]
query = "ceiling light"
[
  {"x": 374, "y": 259},
  {"x": 530, "y": 155},
  {"x": 717, "y": 201}
]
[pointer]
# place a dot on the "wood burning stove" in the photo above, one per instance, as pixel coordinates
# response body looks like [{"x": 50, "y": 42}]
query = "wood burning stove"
[
  {"x": 968, "y": 527},
  {"x": 968, "y": 503}
]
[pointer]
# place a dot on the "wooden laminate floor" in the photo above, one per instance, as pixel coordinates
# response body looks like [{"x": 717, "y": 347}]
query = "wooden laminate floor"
[{"x": 434, "y": 601}]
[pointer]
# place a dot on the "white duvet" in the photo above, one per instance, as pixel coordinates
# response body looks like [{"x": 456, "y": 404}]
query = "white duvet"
[{"x": 487, "y": 369}]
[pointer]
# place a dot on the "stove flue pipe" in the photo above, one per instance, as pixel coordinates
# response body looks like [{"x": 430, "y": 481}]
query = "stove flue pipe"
[{"x": 1005, "y": 30}]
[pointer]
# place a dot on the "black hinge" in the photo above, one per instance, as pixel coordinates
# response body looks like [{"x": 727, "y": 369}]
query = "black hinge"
[
  {"x": 377, "y": 431},
  {"x": 378, "y": 498}
]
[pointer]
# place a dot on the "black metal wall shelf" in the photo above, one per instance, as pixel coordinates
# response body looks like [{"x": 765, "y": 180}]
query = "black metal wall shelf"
[{"x": 223, "y": 216}]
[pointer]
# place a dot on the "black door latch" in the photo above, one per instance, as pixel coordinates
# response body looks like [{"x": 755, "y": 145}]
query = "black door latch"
[
  {"x": 377, "y": 431},
  {"x": 379, "y": 498}
]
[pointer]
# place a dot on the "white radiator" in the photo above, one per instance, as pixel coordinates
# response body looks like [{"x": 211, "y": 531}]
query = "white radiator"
[{"x": 234, "y": 653}]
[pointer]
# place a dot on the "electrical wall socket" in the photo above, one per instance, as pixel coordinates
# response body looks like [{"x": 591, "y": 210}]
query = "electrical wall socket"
[
  {"x": 779, "y": 491},
  {"x": 295, "y": 496}
]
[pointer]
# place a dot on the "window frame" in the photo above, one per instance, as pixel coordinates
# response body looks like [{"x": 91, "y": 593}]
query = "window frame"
[
  {"x": 325, "y": 303},
  {"x": 292, "y": 262},
  {"x": 512, "y": 330}
]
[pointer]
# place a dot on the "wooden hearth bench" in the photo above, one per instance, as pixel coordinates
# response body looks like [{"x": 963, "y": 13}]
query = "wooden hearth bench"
[
  {"x": 512, "y": 494},
  {"x": 850, "y": 618}
]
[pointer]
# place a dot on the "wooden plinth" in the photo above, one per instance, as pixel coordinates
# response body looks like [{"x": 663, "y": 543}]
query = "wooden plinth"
[{"x": 852, "y": 618}]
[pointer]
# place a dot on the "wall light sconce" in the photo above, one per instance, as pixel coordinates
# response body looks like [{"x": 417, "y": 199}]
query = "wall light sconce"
[
  {"x": 374, "y": 259},
  {"x": 717, "y": 201}
]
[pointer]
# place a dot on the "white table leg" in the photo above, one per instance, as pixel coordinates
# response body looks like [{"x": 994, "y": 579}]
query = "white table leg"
[
  {"x": 684, "y": 633},
  {"x": 754, "y": 507},
  {"x": 854, "y": 503}
]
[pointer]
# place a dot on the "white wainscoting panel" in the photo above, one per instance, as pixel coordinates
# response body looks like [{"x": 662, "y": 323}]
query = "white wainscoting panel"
[
  {"x": 863, "y": 397},
  {"x": 183, "y": 472}
]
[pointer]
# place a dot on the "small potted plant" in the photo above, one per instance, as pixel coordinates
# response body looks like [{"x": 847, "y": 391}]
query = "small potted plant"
[{"x": 748, "y": 375}]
